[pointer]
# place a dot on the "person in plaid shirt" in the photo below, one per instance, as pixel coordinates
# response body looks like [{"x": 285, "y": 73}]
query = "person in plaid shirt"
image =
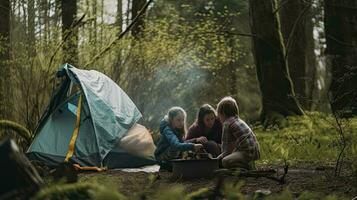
[{"x": 240, "y": 147}]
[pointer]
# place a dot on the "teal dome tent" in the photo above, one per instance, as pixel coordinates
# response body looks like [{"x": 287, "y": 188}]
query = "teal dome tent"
[{"x": 88, "y": 116}]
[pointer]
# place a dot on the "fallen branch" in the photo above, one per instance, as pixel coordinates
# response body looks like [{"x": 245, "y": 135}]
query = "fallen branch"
[
  {"x": 338, "y": 165},
  {"x": 256, "y": 174}
]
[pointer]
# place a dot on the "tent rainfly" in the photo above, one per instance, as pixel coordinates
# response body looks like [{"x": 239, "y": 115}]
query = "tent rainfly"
[{"x": 91, "y": 121}]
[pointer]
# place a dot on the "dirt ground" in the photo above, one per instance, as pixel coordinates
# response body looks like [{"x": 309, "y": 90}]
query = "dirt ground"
[{"x": 299, "y": 179}]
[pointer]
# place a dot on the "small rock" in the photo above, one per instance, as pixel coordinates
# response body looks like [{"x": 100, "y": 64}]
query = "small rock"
[{"x": 263, "y": 192}]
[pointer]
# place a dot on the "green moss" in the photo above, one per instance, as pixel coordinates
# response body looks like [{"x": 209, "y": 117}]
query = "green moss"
[{"x": 19, "y": 129}]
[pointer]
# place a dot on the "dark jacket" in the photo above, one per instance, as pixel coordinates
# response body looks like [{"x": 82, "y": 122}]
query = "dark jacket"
[
  {"x": 213, "y": 134},
  {"x": 170, "y": 139}
]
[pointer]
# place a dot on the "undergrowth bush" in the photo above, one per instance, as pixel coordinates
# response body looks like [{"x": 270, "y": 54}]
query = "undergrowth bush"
[
  {"x": 78, "y": 191},
  {"x": 314, "y": 137}
]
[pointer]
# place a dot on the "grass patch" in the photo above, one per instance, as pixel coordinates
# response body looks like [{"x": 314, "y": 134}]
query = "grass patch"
[{"x": 310, "y": 138}]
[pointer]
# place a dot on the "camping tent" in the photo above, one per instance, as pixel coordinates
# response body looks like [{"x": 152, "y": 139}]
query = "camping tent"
[{"x": 86, "y": 122}]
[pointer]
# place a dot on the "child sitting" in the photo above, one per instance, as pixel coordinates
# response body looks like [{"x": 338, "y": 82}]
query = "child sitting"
[
  {"x": 206, "y": 130},
  {"x": 171, "y": 144},
  {"x": 240, "y": 147}
]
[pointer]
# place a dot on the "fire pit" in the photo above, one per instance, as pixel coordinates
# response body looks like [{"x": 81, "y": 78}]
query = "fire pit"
[{"x": 195, "y": 168}]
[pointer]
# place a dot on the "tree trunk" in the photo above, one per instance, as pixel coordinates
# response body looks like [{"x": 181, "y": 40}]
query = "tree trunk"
[
  {"x": 45, "y": 20},
  {"x": 341, "y": 40},
  {"x": 56, "y": 19},
  {"x": 232, "y": 66},
  {"x": 139, "y": 25},
  {"x": 94, "y": 28},
  {"x": 311, "y": 61},
  {"x": 278, "y": 98},
  {"x": 31, "y": 29},
  {"x": 127, "y": 14},
  {"x": 5, "y": 97},
  {"x": 102, "y": 23},
  {"x": 297, "y": 27},
  {"x": 117, "y": 68},
  {"x": 119, "y": 18},
  {"x": 69, "y": 13}
]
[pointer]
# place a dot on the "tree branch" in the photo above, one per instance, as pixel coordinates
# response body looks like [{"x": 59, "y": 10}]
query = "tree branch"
[
  {"x": 65, "y": 38},
  {"x": 121, "y": 35},
  {"x": 340, "y": 42}
]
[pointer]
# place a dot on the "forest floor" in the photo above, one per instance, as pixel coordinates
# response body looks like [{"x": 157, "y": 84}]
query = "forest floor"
[
  {"x": 314, "y": 178},
  {"x": 310, "y": 144}
]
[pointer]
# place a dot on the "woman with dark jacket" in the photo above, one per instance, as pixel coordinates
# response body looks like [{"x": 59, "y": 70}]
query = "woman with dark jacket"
[{"x": 206, "y": 130}]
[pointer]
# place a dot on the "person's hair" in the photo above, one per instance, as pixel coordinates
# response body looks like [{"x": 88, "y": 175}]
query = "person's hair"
[
  {"x": 202, "y": 112},
  {"x": 228, "y": 107},
  {"x": 174, "y": 112}
]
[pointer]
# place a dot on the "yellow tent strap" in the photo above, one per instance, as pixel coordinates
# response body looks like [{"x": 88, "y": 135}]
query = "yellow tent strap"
[
  {"x": 75, "y": 131},
  {"x": 97, "y": 169}
]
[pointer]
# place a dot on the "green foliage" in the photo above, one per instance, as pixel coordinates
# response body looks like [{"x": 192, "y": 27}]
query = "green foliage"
[
  {"x": 176, "y": 61},
  {"x": 231, "y": 191},
  {"x": 199, "y": 194},
  {"x": 174, "y": 193},
  {"x": 287, "y": 195},
  {"x": 314, "y": 137},
  {"x": 77, "y": 191}
]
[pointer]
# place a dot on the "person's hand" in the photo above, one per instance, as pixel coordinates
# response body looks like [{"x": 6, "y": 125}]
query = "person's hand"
[
  {"x": 201, "y": 140},
  {"x": 197, "y": 147}
]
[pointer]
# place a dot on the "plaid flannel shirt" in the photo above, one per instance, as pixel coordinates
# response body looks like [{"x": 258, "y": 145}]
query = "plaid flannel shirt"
[{"x": 237, "y": 133}]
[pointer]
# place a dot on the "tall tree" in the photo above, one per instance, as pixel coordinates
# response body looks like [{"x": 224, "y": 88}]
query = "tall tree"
[
  {"x": 70, "y": 48},
  {"x": 117, "y": 67},
  {"x": 278, "y": 98},
  {"x": 127, "y": 14},
  {"x": 137, "y": 5},
  {"x": 341, "y": 40},
  {"x": 4, "y": 58},
  {"x": 102, "y": 23},
  {"x": 297, "y": 30},
  {"x": 95, "y": 24},
  {"x": 119, "y": 18},
  {"x": 56, "y": 18},
  {"x": 45, "y": 9},
  {"x": 31, "y": 28}
]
